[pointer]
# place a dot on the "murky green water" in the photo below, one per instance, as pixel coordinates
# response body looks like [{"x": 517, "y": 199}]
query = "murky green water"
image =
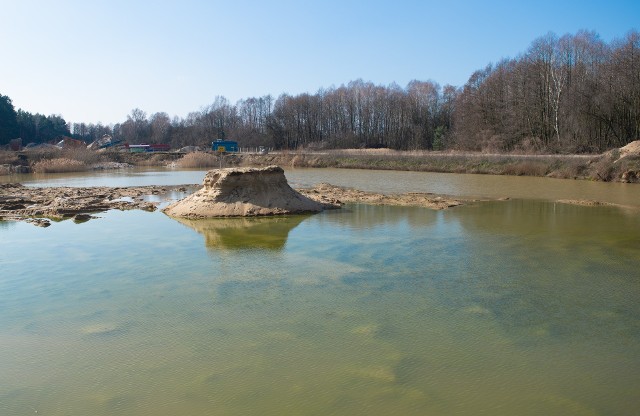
[{"x": 518, "y": 307}]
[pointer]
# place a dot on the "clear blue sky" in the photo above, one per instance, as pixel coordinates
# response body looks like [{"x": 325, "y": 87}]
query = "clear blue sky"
[{"x": 96, "y": 60}]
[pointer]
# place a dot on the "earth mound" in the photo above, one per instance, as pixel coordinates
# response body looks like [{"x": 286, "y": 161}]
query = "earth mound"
[
  {"x": 243, "y": 192},
  {"x": 632, "y": 148}
]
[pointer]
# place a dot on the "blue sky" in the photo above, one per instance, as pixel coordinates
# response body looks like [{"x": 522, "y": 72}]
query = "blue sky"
[{"x": 96, "y": 60}]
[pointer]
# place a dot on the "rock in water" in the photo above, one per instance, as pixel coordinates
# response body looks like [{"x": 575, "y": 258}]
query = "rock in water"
[{"x": 243, "y": 192}]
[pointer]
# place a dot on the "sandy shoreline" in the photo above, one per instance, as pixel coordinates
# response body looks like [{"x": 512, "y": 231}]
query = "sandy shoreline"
[{"x": 40, "y": 205}]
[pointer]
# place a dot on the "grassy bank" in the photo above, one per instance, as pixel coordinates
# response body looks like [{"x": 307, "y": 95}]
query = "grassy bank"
[
  {"x": 611, "y": 166},
  {"x": 605, "y": 167}
]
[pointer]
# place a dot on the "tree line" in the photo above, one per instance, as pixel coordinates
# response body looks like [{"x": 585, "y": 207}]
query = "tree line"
[
  {"x": 571, "y": 94},
  {"x": 31, "y": 128}
]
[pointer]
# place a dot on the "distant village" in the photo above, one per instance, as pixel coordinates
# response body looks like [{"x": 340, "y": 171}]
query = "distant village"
[{"x": 108, "y": 142}]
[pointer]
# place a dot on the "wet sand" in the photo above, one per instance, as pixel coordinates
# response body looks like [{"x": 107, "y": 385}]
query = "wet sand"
[{"x": 39, "y": 205}]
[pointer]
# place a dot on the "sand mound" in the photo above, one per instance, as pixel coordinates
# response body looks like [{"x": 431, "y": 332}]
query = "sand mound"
[
  {"x": 632, "y": 148},
  {"x": 243, "y": 192}
]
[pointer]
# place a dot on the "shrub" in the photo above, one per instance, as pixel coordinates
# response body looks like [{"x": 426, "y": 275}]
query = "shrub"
[
  {"x": 602, "y": 169},
  {"x": 59, "y": 165}
]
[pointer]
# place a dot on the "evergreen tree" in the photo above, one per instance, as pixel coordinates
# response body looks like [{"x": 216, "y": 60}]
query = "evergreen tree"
[{"x": 8, "y": 120}]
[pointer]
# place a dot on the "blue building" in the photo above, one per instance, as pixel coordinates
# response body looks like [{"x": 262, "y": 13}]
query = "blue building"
[{"x": 223, "y": 146}]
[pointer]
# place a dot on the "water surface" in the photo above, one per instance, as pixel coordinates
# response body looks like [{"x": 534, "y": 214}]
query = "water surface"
[
  {"x": 461, "y": 185},
  {"x": 517, "y": 307}
]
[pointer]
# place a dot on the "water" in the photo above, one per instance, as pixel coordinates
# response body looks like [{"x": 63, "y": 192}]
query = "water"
[
  {"x": 461, "y": 185},
  {"x": 523, "y": 307}
]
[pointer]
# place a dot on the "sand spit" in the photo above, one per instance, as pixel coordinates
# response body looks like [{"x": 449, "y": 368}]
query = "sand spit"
[
  {"x": 244, "y": 192},
  {"x": 587, "y": 203},
  {"x": 331, "y": 194}
]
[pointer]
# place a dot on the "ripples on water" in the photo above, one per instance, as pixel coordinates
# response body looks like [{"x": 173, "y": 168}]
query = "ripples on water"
[{"x": 503, "y": 308}]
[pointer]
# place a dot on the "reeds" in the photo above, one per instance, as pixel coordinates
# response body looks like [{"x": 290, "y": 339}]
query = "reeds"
[
  {"x": 199, "y": 160},
  {"x": 81, "y": 154},
  {"x": 59, "y": 165},
  {"x": 7, "y": 157},
  {"x": 159, "y": 159}
]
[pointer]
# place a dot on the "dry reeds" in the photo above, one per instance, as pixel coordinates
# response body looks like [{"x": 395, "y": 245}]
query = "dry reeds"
[
  {"x": 59, "y": 165},
  {"x": 159, "y": 159},
  {"x": 7, "y": 157},
  {"x": 199, "y": 160},
  {"x": 526, "y": 168},
  {"x": 81, "y": 154}
]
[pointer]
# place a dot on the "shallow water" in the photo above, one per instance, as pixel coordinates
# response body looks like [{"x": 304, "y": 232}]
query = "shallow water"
[
  {"x": 518, "y": 307},
  {"x": 460, "y": 185}
]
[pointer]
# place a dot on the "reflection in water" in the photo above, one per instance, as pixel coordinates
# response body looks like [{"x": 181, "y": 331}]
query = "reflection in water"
[
  {"x": 503, "y": 308},
  {"x": 6, "y": 224},
  {"x": 238, "y": 233},
  {"x": 552, "y": 268},
  {"x": 362, "y": 216}
]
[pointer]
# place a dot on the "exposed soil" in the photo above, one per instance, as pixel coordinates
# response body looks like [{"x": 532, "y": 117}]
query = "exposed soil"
[
  {"x": 244, "y": 192},
  {"x": 587, "y": 203},
  {"x": 330, "y": 194},
  {"x": 39, "y": 205}
]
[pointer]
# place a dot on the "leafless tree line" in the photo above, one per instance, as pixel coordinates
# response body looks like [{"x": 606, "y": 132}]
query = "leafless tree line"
[{"x": 569, "y": 94}]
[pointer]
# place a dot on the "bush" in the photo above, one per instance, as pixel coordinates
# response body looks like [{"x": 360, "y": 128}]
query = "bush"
[
  {"x": 59, "y": 165},
  {"x": 602, "y": 169}
]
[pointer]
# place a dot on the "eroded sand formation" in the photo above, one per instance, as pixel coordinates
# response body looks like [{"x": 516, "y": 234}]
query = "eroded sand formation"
[{"x": 244, "y": 192}]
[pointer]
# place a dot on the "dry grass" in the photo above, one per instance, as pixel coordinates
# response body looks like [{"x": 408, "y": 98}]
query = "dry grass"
[
  {"x": 364, "y": 152},
  {"x": 81, "y": 154},
  {"x": 7, "y": 158},
  {"x": 59, "y": 165},
  {"x": 199, "y": 160},
  {"x": 159, "y": 159},
  {"x": 526, "y": 168}
]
